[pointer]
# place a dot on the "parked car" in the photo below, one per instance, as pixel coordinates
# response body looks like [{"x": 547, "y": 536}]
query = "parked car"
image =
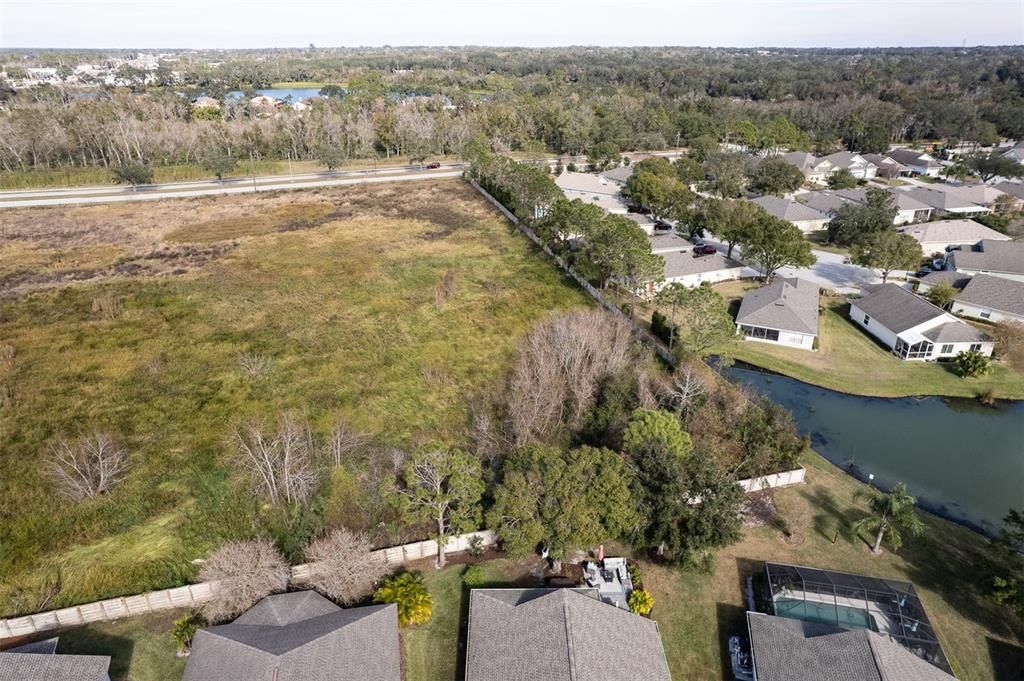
[
  {"x": 939, "y": 264},
  {"x": 739, "y": 657},
  {"x": 662, "y": 225},
  {"x": 704, "y": 249},
  {"x": 923, "y": 271},
  {"x": 433, "y": 166},
  {"x": 638, "y": 209}
]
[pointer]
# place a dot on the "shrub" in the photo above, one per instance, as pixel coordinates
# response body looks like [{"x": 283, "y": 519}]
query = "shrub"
[
  {"x": 108, "y": 306},
  {"x": 342, "y": 566},
  {"x": 971, "y": 364},
  {"x": 571, "y": 167},
  {"x": 641, "y": 602},
  {"x": 409, "y": 593},
  {"x": 476, "y": 546},
  {"x": 245, "y": 572},
  {"x": 662, "y": 328},
  {"x": 634, "y": 575},
  {"x": 473, "y": 577},
  {"x": 87, "y": 467},
  {"x": 185, "y": 629}
]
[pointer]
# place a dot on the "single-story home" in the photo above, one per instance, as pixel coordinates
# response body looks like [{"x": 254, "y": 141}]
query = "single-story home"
[
  {"x": 951, "y": 277},
  {"x": 936, "y": 237},
  {"x": 300, "y": 635},
  {"x": 690, "y": 269},
  {"x": 549, "y": 634},
  {"x": 783, "y": 312},
  {"x": 824, "y": 201},
  {"x": 908, "y": 209},
  {"x": 667, "y": 242},
  {"x": 917, "y": 162},
  {"x": 1012, "y": 188},
  {"x": 816, "y": 170},
  {"x": 790, "y": 649},
  {"x": 986, "y": 195},
  {"x": 619, "y": 175},
  {"x": 859, "y": 167},
  {"x": 40, "y": 661},
  {"x": 1000, "y": 258},
  {"x": 945, "y": 202},
  {"x": 593, "y": 189},
  {"x": 1015, "y": 153},
  {"x": 991, "y": 298},
  {"x": 887, "y": 167},
  {"x": 805, "y": 218},
  {"x": 913, "y": 328}
]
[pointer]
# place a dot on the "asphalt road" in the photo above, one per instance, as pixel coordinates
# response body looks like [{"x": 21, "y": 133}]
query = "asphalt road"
[{"x": 109, "y": 194}]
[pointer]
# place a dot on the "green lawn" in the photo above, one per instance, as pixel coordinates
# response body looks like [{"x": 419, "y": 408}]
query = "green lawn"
[
  {"x": 342, "y": 307},
  {"x": 851, "y": 361}
]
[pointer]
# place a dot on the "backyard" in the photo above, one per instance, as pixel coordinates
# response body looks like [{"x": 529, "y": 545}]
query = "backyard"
[
  {"x": 696, "y": 612},
  {"x": 168, "y": 323}
]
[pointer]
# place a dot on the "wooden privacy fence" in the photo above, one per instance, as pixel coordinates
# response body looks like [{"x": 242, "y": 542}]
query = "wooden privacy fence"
[{"x": 197, "y": 594}]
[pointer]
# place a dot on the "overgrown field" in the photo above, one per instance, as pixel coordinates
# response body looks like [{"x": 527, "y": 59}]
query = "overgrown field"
[{"x": 166, "y": 324}]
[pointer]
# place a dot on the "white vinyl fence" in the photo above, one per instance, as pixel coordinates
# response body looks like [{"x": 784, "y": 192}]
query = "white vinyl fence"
[{"x": 197, "y": 594}]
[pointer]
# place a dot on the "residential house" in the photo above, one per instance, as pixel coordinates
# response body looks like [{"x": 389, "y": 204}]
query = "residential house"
[
  {"x": 805, "y": 218},
  {"x": 945, "y": 203},
  {"x": 816, "y": 170},
  {"x": 917, "y": 162},
  {"x": 908, "y": 209},
  {"x": 954, "y": 279},
  {"x": 991, "y": 298},
  {"x": 824, "y": 201},
  {"x": 887, "y": 166},
  {"x": 1012, "y": 188},
  {"x": 593, "y": 189},
  {"x": 941, "y": 235},
  {"x": 1000, "y": 258},
  {"x": 913, "y": 328},
  {"x": 40, "y": 662},
  {"x": 549, "y": 634},
  {"x": 859, "y": 167},
  {"x": 265, "y": 105},
  {"x": 985, "y": 195},
  {"x": 1015, "y": 153},
  {"x": 300, "y": 636},
  {"x": 619, "y": 175},
  {"x": 686, "y": 267},
  {"x": 667, "y": 242},
  {"x": 783, "y": 312}
]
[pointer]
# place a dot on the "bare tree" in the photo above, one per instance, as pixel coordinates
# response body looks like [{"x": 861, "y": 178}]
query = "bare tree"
[
  {"x": 685, "y": 388},
  {"x": 343, "y": 567},
  {"x": 87, "y": 467},
  {"x": 255, "y": 364},
  {"x": 282, "y": 463},
  {"x": 343, "y": 443},
  {"x": 242, "y": 573}
]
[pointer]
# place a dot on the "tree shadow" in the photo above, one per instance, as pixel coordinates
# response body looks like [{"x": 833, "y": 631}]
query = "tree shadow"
[
  {"x": 1007, "y": 660},
  {"x": 732, "y": 621},
  {"x": 88, "y": 641},
  {"x": 833, "y": 523}
]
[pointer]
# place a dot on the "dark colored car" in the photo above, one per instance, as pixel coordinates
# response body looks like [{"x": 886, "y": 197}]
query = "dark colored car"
[
  {"x": 638, "y": 209},
  {"x": 704, "y": 249},
  {"x": 433, "y": 166},
  {"x": 662, "y": 225}
]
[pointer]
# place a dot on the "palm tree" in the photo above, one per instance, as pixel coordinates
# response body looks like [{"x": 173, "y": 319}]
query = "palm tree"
[
  {"x": 409, "y": 592},
  {"x": 892, "y": 515}
]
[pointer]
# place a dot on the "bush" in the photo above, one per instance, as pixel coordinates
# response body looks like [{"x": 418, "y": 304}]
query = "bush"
[
  {"x": 641, "y": 602},
  {"x": 343, "y": 566},
  {"x": 635, "y": 576},
  {"x": 662, "y": 328},
  {"x": 185, "y": 629},
  {"x": 971, "y": 364},
  {"x": 245, "y": 572},
  {"x": 409, "y": 593},
  {"x": 473, "y": 577},
  {"x": 571, "y": 167},
  {"x": 476, "y": 546}
]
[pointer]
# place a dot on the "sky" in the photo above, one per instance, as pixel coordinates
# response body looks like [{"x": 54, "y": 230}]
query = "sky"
[{"x": 153, "y": 24}]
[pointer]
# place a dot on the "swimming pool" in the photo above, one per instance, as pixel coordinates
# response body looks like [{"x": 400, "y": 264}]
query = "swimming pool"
[{"x": 825, "y": 613}]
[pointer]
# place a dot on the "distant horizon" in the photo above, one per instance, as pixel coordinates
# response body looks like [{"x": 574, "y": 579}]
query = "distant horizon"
[
  {"x": 727, "y": 24},
  {"x": 172, "y": 48}
]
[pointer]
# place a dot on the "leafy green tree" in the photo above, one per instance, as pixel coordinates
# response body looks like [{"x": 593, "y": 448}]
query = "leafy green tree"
[
  {"x": 689, "y": 171},
  {"x": 616, "y": 247},
  {"x": 655, "y": 428},
  {"x": 331, "y": 156},
  {"x": 655, "y": 165},
  {"x": 646, "y": 189},
  {"x": 971, "y": 364},
  {"x": 782, "y": 133},
  {"x": 409, "y": 592},
  {"x": 133, "y": 174},
  {"x": 893, "y": 514},
  {"x": 604, "y": 154},
  {"x": 942, "y": 294},
  {"x": 219, "y": 162},
  {"x": 207, "y": 113},
  {"x": 776, "y": 176},
  {"x": 853, "y": 222},
  {"x": 842, "y": 179},
  {"x": 729, "y": 220},
  {"x": 641, "y": 602},
  {"x": 702, "y": 147},
  {"x": 562, "y": 500},
  {"x": 774, "y": 243},
  {"x": 887, "y": 251},
  {"x": 438, "y": 486},
  {"x": 701, "y": 316},
  {"x": 567, "y": 220},
  {"x": 992, "y": 165},
  {"x": 728, "y": 172}
]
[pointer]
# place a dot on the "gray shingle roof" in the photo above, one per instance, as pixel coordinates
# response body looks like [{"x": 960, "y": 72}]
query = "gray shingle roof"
[
  {"x": 896, "y": 308},
  {"x": 681, "y": 264},
  {"x": 952, "y": 232},
  {"x": 901, "y": 200},
  {"x": 620, "y": 174},
  {"x": 956, "y": 279},
  {"x": 667, "y": 242},
  {"x": 1012, "y": 188},
  {"x": 794, "y": 650},
  {"x": 787, "y": 209},
  {"x": 785, "y": 304},
  {"x": 42, "y": 667},
  {"x": 955, "y": 332},
  {"x": 559, "y": 635},
  {"x": 994, "y": 256},
  {"x": 824, "y": 201},
  {"x": 938, "y": 200},
  {"x": 909, "y": 157},
  {"x": 997, "y": 293},
  {"x": 300, "y": 637}
]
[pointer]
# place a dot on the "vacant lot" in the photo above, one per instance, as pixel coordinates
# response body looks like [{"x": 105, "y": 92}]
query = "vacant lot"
[{"x": 323, "y": 301}]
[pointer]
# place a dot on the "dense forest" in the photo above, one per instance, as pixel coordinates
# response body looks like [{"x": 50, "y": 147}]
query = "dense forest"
[{"x": 428, "y": 101}]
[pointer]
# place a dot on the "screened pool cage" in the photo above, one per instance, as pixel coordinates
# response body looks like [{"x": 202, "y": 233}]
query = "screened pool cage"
[{"x": 886, "y": 606}]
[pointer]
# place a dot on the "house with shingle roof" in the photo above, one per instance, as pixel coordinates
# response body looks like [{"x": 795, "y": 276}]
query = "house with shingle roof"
[
  {"x": 559, "y": 635},
  {"x": 908, "y": 209},
  {"x": 40, "y": 661},
  {"x": 945, "y": 202},
  {"x": 786, "y": 649},
  {"x": 300, "y": 636},
  {"x": 991, "y": 298},
  {"x": 804, "y": 217},
  {"x": 999, "y": 258},
  {"x": 917, "y": 162},
  {"x": 951, "y": 277},
  {"x": 941, "y": 235},
  {"x": 858, "y": 166},
  {"x": 816, "y": 170},
  {"x": 783, "y": 312},
  {"x": 913, "y": 328},
  {"x": 887, "y": 167},
  {"x": 981, "y": 194}
]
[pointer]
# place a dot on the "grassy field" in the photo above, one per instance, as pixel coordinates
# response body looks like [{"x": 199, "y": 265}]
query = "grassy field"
[
  {"x": 334, "y": 290},
  {"x": 851, "y": 361}
]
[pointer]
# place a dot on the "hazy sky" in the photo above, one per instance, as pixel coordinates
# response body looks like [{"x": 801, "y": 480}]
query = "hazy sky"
[{"x": 287, "y": 23}]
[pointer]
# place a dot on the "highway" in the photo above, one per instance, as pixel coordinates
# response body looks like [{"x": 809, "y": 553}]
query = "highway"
[{"x": 69, "y": 196}]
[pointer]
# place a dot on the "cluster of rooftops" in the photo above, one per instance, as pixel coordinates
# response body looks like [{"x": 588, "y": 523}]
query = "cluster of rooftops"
[{"x": 810, "y": 625}]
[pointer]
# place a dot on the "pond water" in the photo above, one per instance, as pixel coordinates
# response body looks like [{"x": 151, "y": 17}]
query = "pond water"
[
  {"x": 296, "y": 93},
  {"x": 963, "y": 461}
]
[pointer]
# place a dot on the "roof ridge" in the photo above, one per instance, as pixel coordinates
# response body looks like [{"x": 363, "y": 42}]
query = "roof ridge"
[{"x": 568, "y": 638}]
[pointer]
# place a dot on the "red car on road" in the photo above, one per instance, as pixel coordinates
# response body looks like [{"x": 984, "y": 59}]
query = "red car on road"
[{"x": 433, "y": 166}]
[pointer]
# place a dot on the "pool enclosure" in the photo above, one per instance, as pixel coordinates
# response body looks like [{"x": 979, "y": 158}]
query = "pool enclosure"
[{"x": 889, "y": 607}]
